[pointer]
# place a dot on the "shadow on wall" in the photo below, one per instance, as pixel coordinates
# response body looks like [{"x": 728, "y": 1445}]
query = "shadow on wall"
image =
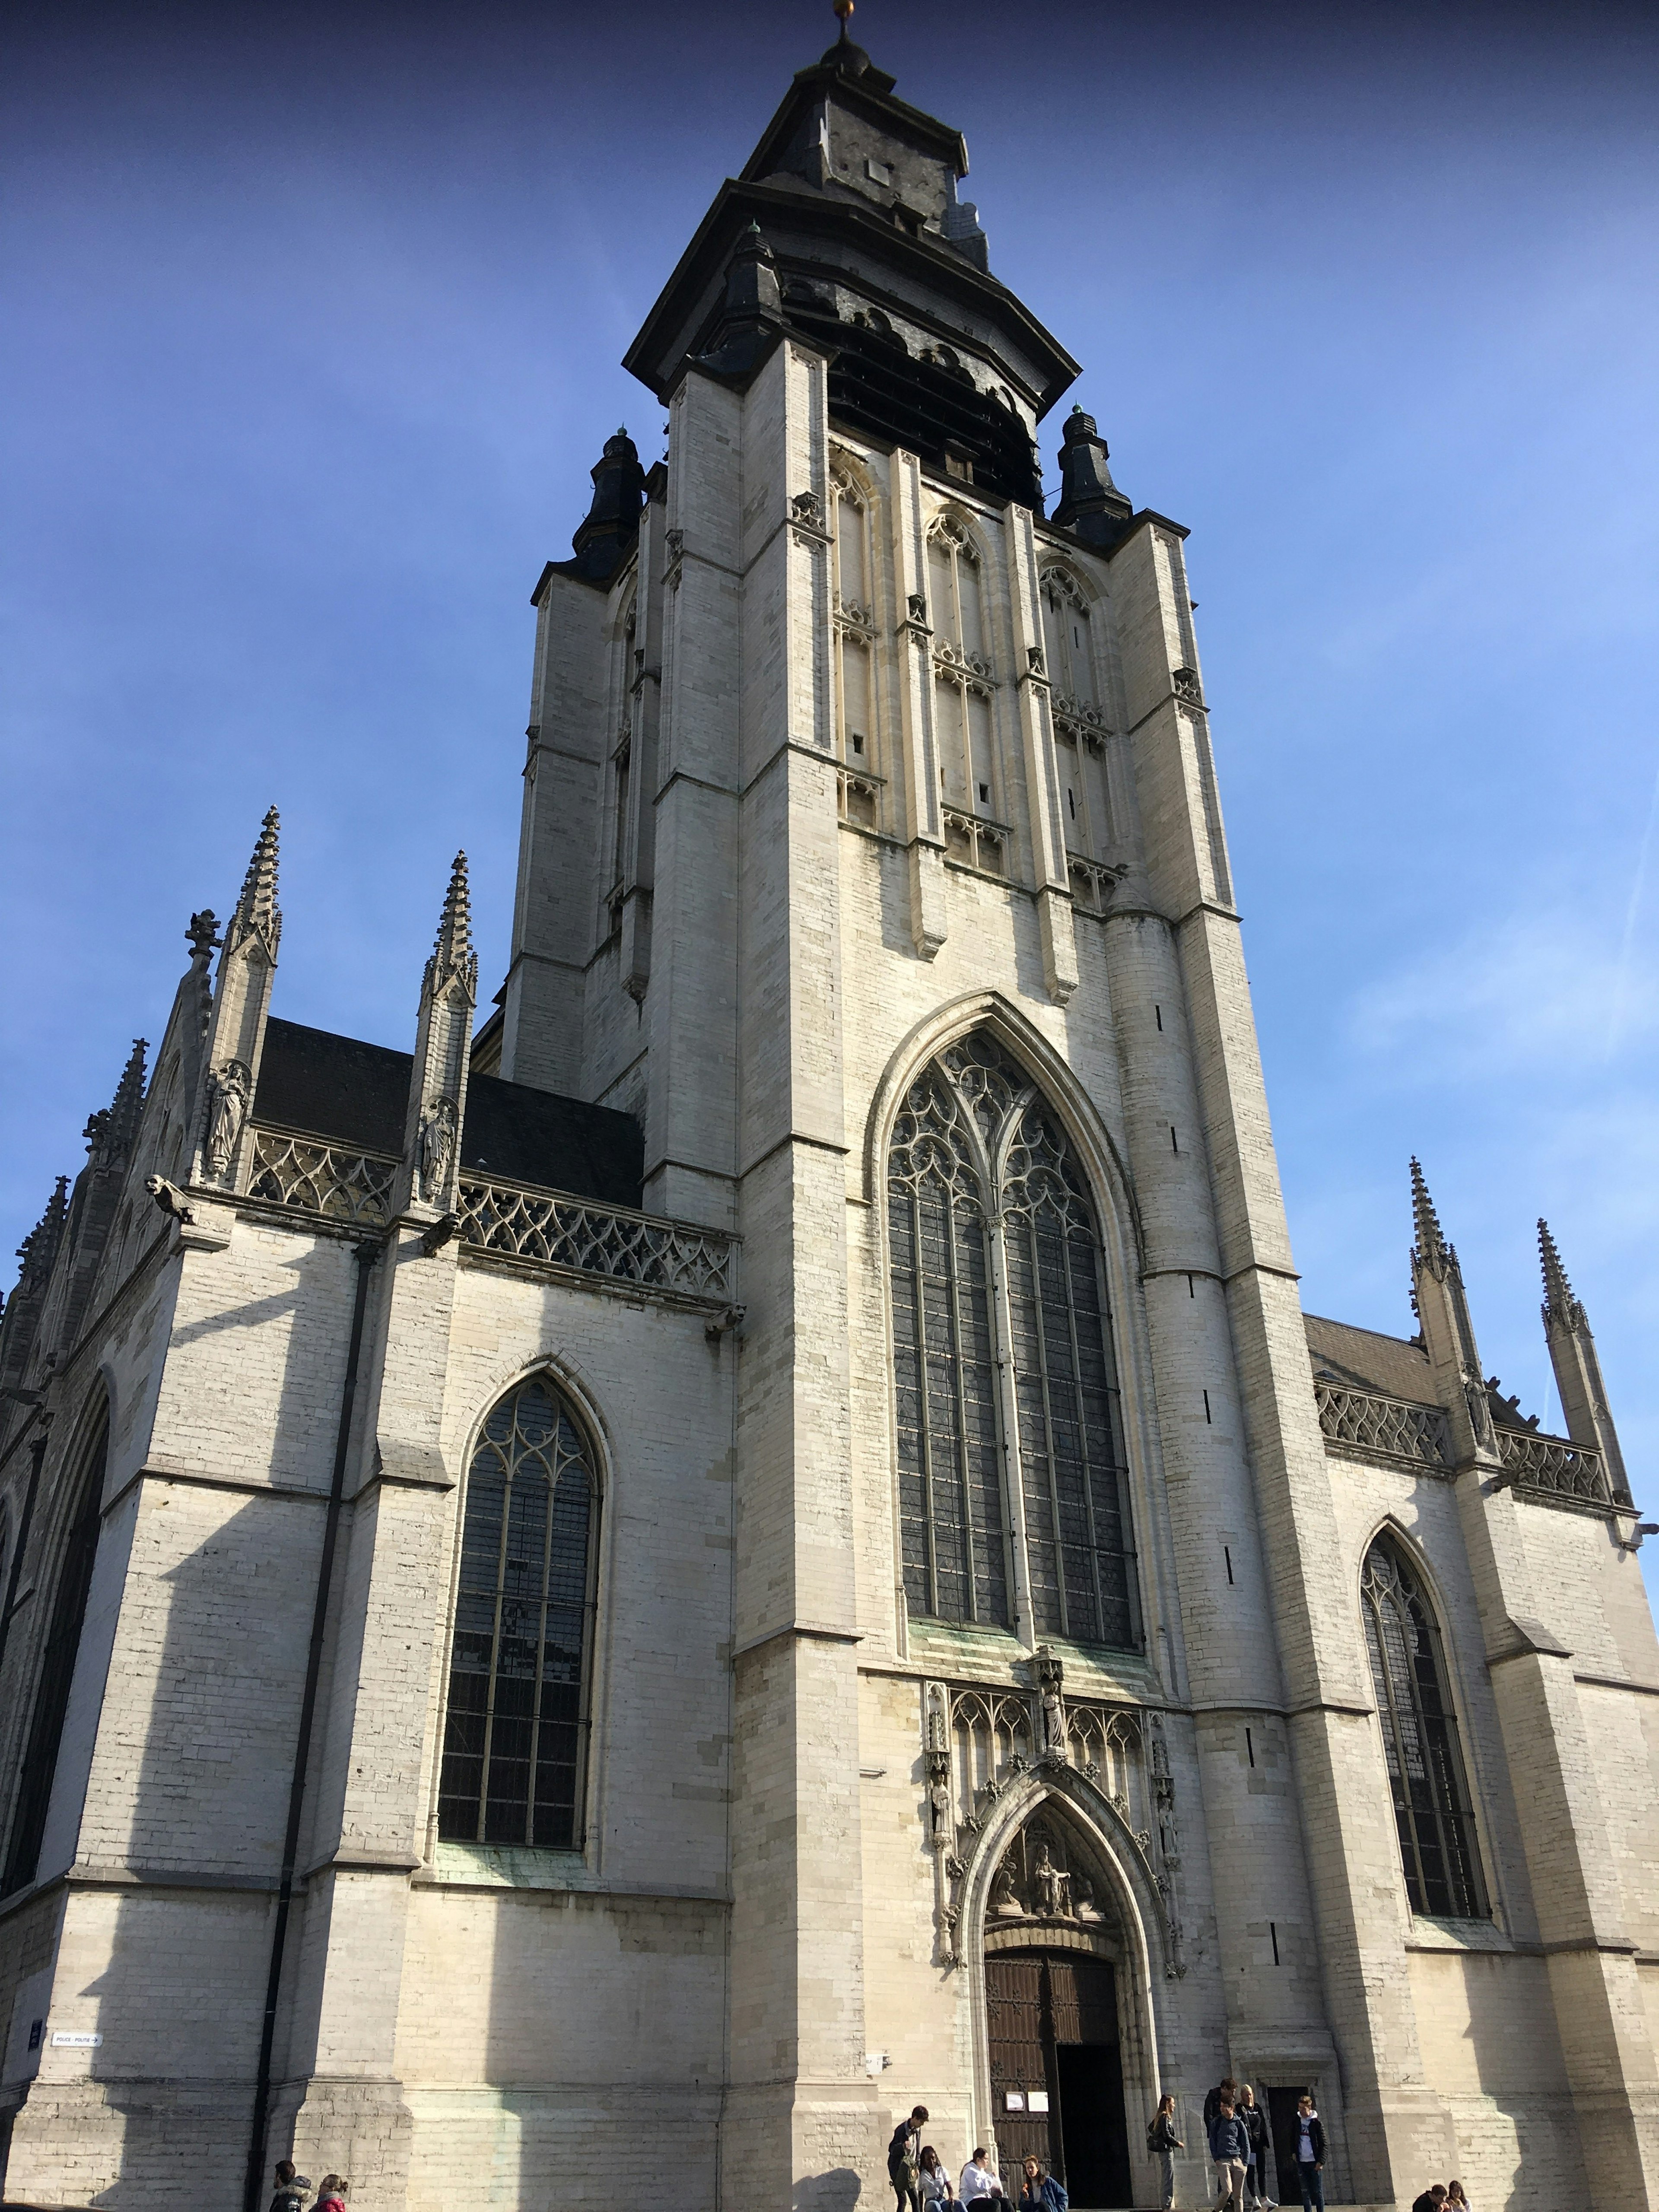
[{"x": 838, "y": 2191}]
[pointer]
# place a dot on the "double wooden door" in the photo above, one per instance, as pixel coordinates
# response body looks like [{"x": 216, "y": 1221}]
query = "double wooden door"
[{"x": 1057, "y": 2071}]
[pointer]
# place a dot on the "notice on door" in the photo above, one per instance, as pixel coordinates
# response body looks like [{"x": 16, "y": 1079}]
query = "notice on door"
[
  {"x": 1014, "y": 2100},
  {"x": 1039, "y": 2101}
]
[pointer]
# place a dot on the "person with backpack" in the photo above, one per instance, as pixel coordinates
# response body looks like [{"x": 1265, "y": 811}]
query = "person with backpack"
[
  {"x": 904, "y": 2160},
  {"x": 1040, "y": 2192},
  {"x": 1230, "y": 2149},
  {"x": 292, "y": 2188},
  {"x": 1255, "y": 2128},
  {"x": 1164, "y": 2142}
]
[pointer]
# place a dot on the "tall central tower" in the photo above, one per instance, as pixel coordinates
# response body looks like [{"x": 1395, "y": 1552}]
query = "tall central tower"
[{"x": 872, "y": 859}]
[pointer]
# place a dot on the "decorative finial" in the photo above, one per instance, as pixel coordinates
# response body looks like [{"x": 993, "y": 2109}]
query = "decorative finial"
[
  {"x": 843, "y": 9},
  {"x": 256, "y": 907},
  {"x": 129, "y": 1102},
  {"x": 203, "y": 934},
  {"x": 1559, "y": 1303},
  {"x": 455, "y": 923},
  {"x": 1431, "y": 1243}
]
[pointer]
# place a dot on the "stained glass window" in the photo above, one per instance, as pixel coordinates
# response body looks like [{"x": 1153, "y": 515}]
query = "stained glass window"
[
  {"x": 516, "y": 1723},
  {"x": 1432, "y": 1807},
  {"x": 1003, "y": 1361}
]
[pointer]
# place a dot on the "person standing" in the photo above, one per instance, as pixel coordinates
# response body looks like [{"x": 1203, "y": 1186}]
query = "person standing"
[
  {"x": 1164, "y": 2142},
  {"x": 1229, "y": 2148},
  {"x": 1309, "y": 2155},
  {"x": 904, "y": 2160},
  {"x": 331, "y": 2193},
  {"x": 292, "y": 2188},
  {"x": 1255, "y": 2130},
  {"x": 1226, "y": 2087}
]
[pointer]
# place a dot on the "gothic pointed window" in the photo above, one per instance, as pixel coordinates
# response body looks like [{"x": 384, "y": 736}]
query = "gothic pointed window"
[
  {"x": 57, "y": 1675},
  {"x": 1012, "y": 1474},
  {"x": 969, "y": 784},
  {"x": 854, "y": 554},
  {"x": 1431, "y": 1809},
  {"x": 515, "y": 1730}
]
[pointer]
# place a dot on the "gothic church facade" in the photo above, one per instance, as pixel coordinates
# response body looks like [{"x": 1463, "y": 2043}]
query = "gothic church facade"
[{"x": 594, "y": 1608}]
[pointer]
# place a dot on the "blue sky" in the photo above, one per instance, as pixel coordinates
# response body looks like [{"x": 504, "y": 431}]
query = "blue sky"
[{"x": 323, "y": 318}]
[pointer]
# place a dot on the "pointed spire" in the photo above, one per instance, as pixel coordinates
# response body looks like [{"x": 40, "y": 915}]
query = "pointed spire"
[
  {"x": 129, "y": 1101},
  {"x": 455, "y": 923},
  {"x": 1431, "y": 1248},
  {"x": 38, "y": 1248},
  {"x": 256, "y": 908},
  {"x": 1559, "y": 1303}
]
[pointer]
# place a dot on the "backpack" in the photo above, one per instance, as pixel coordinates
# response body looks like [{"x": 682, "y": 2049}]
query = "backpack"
[{"x": 1152, "y": 2135}]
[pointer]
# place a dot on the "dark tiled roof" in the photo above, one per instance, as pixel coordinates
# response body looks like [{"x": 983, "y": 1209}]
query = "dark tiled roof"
[
  {"x": 357, "y": 1094},
  {"x": 1366, "y": 1360}
]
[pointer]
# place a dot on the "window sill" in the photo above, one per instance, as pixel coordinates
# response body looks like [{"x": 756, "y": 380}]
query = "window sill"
[
  {"x": 1429, "y": 1935},
  {"x": 507, "y": 1866}
]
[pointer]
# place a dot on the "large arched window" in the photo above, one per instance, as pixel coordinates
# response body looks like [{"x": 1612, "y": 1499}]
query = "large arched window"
[
  {"x": 1003, "y": 1358},
  {"x": 516, "y": 1718},
  {"x": 52, "y": 1695},
  {"x": 1420, "y": 1740}
]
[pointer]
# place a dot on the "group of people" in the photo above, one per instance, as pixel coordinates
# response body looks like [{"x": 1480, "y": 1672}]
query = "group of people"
[
  {"x": 293, "y": 2189},
  {"x": 921, "y": 2177},
  {"x": 1236, "y": 2130},
  {"x": 1442, "y": 2197}
]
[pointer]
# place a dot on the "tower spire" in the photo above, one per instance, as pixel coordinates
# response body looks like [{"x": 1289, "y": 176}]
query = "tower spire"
[
  {"x": 1430, "y": 1248},
  {"x": 1578, "y": 1367},
  {"x": 256, "y": 907},
  {"x": 437, "y": 1088}
]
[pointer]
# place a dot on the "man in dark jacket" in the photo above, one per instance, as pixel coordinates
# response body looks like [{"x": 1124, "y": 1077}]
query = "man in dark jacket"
[
  {"x": 904, "y": 2160},
  {"x": 1229, "y": 2148},
  {"x": 1431, "y": 2199},
  {"x": 1227, "y": 2089},
  {"x": 1311, "y": 2155}
]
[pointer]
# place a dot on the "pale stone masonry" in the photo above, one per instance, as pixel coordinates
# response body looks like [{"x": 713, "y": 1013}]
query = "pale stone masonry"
[{"x": 871, "y": 829}]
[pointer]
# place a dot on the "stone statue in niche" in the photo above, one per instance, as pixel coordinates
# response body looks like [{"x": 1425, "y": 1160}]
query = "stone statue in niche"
[
  {"x": 437, "y": 1146},
  {"x": 1051, "y": 1732},
  {"x": 230, "y": 1092},
  {"x": 938, "y": 1799},
  {"x": 1005, "y": 1900},
  {"x": 1082, "y": 1898},
  {"x": 1052, "y": 1886}
]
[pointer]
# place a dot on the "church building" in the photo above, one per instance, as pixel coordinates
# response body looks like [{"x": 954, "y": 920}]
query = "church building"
[{"x": 595, "y": 1607}]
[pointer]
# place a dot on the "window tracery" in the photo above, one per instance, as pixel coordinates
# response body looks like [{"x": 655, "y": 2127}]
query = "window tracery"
[
  {"x": 853, "y": 556},
  {"x": 1432, "y": 1813},
  {"x": 962, "y": 699},
  {"x": 1080, "y": 729},
  {"x": 1002, "y": 1339},
  {"x": 516, "y": 1723}
]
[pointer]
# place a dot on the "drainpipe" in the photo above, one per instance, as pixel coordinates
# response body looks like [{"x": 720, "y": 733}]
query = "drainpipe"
[{"x": 365, "y": 1254}]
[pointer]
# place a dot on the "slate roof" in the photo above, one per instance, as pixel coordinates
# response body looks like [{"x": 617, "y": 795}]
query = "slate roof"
[
  {"x": 1365, "y": 1359},
  {"x": 353, "y": 1093}
]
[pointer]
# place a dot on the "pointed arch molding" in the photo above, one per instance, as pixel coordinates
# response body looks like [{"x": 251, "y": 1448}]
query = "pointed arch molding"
[
  {"x": 1103, "y": 1163},
  {"x": 1141, "y": 1865}
]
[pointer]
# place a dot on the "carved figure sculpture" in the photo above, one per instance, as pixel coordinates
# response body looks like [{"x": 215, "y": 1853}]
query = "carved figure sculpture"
[
  {"x": 1004, "y": 1899},
  {"x": 230, "y": 1092},
  {"x": 437, "y": 1146},
  {"x": 1052, "y": 1886},
  {"x": 1082, "y": 1898}
]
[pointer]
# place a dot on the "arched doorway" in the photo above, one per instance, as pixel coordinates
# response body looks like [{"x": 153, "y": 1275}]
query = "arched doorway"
[{"x": 1053, "y": 2009}]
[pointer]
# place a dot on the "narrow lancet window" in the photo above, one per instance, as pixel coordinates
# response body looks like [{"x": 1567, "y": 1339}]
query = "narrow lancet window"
[
  {"x": 1432, "y": 1807},
  {"x": 1003, "y": 1359},
  {"x": 514, "y": 1736}
]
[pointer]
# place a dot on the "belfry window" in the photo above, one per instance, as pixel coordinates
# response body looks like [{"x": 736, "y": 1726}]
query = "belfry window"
[
  {"x": 515, "y": 1731},
  {"x": 962, "y": 695},
  {"x": 855, "y": 646},
  {"x": 1003, "y": 1360},
  {"x": 1432, "y": 1807}
]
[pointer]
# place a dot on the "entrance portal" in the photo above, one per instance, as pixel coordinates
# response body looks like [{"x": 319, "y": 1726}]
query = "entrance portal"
[{"x": 1057, "y": 2071}]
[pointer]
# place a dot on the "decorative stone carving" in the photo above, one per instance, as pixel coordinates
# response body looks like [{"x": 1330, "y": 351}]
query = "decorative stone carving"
[
  {"x": 169, "y": 1198},
  {"x": 1052, "y": 1886},
  {"x": 1051, "y": 1708},
  {"x": 1005, "y": 1900},
  {"x": 806, "y": 508},
  {"x": 1185, "y": 684},
  {"x": 203, "y": 932},
  {"x": 1034, "y": 660},
  {"x": 230, "y": 1093},
  {"x": 918, "y": 608},
  {"x": 437, "y": 1146}
]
